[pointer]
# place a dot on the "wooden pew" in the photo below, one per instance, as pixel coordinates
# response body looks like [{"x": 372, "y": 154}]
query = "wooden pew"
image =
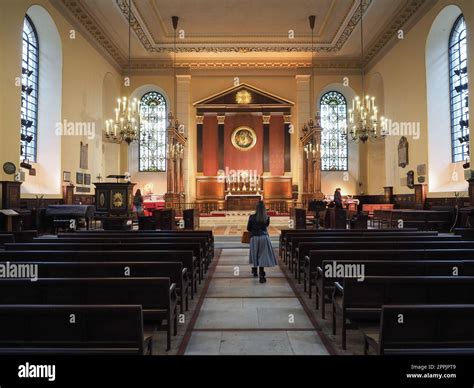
[
  {"x": 6, "y": 239},
  {"x": 46, "y": 329},
  {"x": 304, "y": 248},
  {"x": 325, "y": 287},
  {"x": 426, "y": 330},
  {"x": 143, "y": 233},
  {"x": 205, "y": 249},
  {"x": 284, "y": 232},
  {"x": 172, "y": 270},
  {"x": 295, "y": 241},
  {"x": 363, "y": 301},
  {"x": 286, "y": 242},
  {"x": 194, "y": 247},
  {"x": 316, "y": 258},
  {"x": 157, "y": 296},
  {"x": 186, "y": 258}
]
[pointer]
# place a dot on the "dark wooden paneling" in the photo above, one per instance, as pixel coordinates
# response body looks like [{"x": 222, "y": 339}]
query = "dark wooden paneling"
[
  {"x": 287, "y": 147},
  {"x": 199, "y": 147},
  {"x": 220, "y": 146},
  {"x": 266, "y": 147},
  {"x": 277, "y": 188}
]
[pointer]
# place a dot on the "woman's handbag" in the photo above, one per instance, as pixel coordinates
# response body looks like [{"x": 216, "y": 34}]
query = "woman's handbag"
[{"x": 245, "y": 237}]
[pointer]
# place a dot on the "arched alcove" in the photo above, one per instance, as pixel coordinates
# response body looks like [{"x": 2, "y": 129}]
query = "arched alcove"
[
  {"x": 48, "y": 166},
  {"x": 443, "y": 175},
  {"x": 346, "y": 180},
  {"x": 157, "y": 179}
]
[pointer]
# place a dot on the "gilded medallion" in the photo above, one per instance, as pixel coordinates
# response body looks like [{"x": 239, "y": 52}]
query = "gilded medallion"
[
  {"x": 244, "y": 138},
  {"x": 117, "y": 199}
]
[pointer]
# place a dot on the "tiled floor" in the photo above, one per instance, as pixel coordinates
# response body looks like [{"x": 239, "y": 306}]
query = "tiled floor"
[{"x": 240, "y": 316}]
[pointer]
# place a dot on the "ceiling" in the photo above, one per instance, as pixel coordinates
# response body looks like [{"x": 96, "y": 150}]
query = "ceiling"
[{"x": 241, "y": 33}]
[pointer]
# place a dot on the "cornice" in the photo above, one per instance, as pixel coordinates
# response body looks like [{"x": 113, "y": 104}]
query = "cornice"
[{"x": 110, "y": 49}]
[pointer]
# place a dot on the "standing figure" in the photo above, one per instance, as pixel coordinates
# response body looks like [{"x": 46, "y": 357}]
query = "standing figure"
[
  {"x": 338, "y": 198},
  {"x": 261, "y": 250},
  {"x": 138, "y": 202}
]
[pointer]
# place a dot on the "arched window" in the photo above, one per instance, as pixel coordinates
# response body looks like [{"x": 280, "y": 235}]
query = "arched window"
[
  {"x": 459, "y": 91},
  {"x": 333, "y": 139},
  {"x": 152, "y": 145},
  {"x": 29, "y": 91}
]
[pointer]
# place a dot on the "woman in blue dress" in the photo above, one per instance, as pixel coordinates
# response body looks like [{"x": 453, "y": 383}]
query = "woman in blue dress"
[{"x": 261, "y": 250}]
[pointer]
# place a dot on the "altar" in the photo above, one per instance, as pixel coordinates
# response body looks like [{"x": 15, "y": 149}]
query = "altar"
[{"x": 242, "y": 201}]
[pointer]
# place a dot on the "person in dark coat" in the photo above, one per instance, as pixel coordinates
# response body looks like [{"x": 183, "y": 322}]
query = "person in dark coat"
[
  {"x": 138, "y": 202},
  {"x": 338, "y": 198},
  {"x": 261, "y": 250}
]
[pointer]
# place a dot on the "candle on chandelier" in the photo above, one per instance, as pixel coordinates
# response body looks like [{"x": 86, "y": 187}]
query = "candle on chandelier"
[{"x": 119, "y": 101}]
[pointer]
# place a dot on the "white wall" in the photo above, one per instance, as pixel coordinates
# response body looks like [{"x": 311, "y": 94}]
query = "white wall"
[{"x": 48, "y": 165}]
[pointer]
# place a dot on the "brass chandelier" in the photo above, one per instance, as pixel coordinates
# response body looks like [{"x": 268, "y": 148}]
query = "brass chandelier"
[
  {"x": 363, "y": 117},
  {"x": 126, "y": 125}
]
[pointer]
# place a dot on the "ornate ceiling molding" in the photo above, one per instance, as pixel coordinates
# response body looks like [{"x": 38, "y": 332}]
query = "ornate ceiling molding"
[
  {"x": 94, "y": 28},
  {"x": 410, "y": 9},
  {"x": 225, "y": 47},
  {"x": 105, "y": 42},
  {"x": 333, "y": 64}
]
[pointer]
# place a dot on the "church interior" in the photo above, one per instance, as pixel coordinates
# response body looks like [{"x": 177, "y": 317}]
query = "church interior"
[{"x": 236, "y": 178}]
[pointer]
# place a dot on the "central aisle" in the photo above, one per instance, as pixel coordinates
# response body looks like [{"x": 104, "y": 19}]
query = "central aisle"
[{"x": 240, "y": 316}]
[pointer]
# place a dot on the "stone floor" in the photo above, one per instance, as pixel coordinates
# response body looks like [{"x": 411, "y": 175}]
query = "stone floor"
[{"x": 239, "y": 316}]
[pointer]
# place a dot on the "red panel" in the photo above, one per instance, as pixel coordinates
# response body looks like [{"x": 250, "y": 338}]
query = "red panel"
[
  {"x": 209, "y": 146},
  {"x": 235, "y": 159},
  {"x": 277, "y": 145}
]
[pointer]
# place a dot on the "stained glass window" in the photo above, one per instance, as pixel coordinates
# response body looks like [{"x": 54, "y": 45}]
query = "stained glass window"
[
  {"x": 152, "y": 145},
  {"x": 459, "y": 91},
  {"x": 29, "y": 92},
  {"x": 333, "y": 139}
]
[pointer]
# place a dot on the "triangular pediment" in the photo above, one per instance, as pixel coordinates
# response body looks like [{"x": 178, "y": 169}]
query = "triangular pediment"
[{"x": 243, "y": 95}]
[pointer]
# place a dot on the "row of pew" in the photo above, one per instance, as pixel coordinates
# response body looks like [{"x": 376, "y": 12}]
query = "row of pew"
[
  {"x": 96, "y": 292},
  {"x": 409, "y": 291}
]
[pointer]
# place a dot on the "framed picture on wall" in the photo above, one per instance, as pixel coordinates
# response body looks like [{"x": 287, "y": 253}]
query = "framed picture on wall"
[
  {"x": 87, "y": 179},
  {"x": 79, "y": 178},
  {"x": 66, "y": 176}
]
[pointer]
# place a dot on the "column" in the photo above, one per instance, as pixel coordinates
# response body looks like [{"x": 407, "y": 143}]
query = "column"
[
  {"x": 199, "y": 138},
  {"x": 188, "y": 168},
  {"x": 220, "y": 142},
  {"x": 266, "y": 143},
  {"x": 303, "y": 114},
  {"x": 287, "y": 121},
  {"x": 317, "y": 162},
  {"x": 170, "y": 163}
]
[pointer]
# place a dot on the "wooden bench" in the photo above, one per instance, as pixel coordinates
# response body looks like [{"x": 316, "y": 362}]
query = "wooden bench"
[
  {"x": 144, "y": 233},
  {"x": 47, "y": 329},
  {"x": 291, "y": 239},
  {"x": 6, "y": 239},
  {"x": 186, "y": 258},
  {"x": 204, "y": 246},
  {"x": 194, "y": 247},
  {"x": 361, "y": 302},
  {"x": 157, "y": 296},
  {"x": 172, "y": 270},
  {"x": 316, "y": 258},
  {"x": 426, "y": 330},
  {"x": 327, "y": 278},
  {"x": 285, "y": 232},
  {"x": 383, "y": 243}
]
